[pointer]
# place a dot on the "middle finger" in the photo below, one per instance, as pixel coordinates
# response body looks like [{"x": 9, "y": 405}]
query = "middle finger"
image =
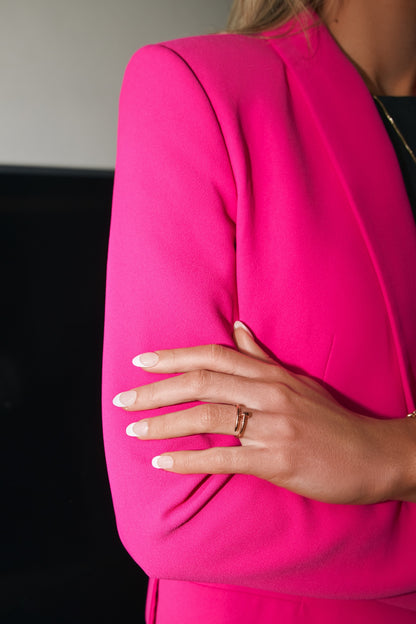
[{"x": 200, "y": 385}]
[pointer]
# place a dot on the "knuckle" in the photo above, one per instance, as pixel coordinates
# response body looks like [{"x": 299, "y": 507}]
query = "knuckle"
[
  {"x": 199, "y": 381},
  {"x": 225, "y": 461},
  {"x": 288, "y": 430},
  {"x": 263, "y": 396},
  {"x": 210, "y": 417},
  {"x": 272, "y": 396},
  {"x": 187, "y": 461},
  {"x": 275, "y": 373},
  {"x": 286, "y": 465},
  {"x": 150, "y": 392},
  {"x": 216, "y": 353},
  {"x": 174, "y": 353},
  {"x": 220, "y": 460},
  {"x": 311, "y": 383},
  {"x": 283, "y": 397},
  {"x": 278, "y": 398},
  {"x": 162, "y": 426}
]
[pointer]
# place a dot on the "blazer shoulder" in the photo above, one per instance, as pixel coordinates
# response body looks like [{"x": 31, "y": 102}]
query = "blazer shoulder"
[
  {"x": 225, "y": 48},
  {"x": 222, "y": 62}
]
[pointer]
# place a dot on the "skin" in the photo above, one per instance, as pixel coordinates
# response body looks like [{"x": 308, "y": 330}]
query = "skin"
[
  {"x": 379, "y": 38},
  {"x": 298, "y": 436}
]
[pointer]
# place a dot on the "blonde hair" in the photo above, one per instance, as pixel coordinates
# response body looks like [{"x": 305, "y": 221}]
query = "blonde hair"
[{"x": 254, "y": 16}]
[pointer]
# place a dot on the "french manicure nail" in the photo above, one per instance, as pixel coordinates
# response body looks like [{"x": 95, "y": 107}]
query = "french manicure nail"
[
  {"x": 162, "y": 461},
  {"x": 146, "y": 360},
  {"x": 138, "y": 429},
  {"x": 239, "y": 324},
  {"x": 125, "y": 399}
]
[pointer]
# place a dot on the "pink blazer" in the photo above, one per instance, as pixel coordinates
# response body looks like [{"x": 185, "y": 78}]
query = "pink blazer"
[{"x": 255, "y": 181}]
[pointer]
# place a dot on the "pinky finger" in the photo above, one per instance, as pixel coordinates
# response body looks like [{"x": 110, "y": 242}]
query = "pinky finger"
[{"x": 223, "y": 460}]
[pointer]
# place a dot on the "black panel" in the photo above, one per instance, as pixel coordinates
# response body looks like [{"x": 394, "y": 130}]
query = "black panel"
[{"x": 61, "y": 558}]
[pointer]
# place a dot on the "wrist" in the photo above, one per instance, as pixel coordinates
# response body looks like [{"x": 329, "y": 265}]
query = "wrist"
[{"x": 404, "y": 488}]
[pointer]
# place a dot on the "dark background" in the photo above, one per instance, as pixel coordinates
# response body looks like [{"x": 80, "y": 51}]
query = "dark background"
[{"x": 61, "y": 557}]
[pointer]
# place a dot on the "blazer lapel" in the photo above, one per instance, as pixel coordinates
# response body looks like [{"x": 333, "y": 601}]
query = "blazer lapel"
[{"x": 367, "y": 164}]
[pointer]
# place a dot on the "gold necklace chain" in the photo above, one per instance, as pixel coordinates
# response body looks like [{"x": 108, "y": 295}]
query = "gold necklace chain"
[{"x": 396, "y": 129}]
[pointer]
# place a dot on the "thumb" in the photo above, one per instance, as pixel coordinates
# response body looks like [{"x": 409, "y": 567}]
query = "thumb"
[{"x": 247, "y": 344}]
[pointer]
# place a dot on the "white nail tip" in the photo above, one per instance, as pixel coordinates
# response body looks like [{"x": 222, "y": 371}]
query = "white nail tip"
[
  {"x": 146, "y": 360},
  {"x": 117, "y": 402},
  {"x": 130, "y": 431},
  {"x": 136, "y": 361},
  {"x": 155, "y": 461},
  {"x": 239, "y": 324}
]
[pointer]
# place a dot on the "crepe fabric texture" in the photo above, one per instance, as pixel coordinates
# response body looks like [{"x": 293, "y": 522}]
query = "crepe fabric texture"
[{"x": 255, "y": 181}]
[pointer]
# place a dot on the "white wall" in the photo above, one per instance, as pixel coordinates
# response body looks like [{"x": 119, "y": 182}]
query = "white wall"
[{"x": 61, "y": 65}]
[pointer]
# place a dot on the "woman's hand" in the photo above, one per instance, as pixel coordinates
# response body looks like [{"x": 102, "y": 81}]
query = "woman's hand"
[{"x": 297, "y": 436}]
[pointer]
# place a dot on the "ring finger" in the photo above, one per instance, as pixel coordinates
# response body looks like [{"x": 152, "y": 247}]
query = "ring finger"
[
  {"x": 199, "y": 385},
  {"x": 206, "y": 418}
]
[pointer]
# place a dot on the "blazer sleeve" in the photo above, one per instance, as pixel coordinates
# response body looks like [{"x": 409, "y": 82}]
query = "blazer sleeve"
[{"x": 171, "y": 283}]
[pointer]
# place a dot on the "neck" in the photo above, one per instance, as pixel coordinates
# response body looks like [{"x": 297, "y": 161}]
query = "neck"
[{"x": 379, "y": 37}]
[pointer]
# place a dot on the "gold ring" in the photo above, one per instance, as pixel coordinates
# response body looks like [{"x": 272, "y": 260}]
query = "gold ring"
[
  {"x": 412, "y": 415},
  {"x": 241, "y": 421}
]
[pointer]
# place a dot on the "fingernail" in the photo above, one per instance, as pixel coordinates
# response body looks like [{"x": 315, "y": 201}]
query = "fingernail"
[
  {"x": 125, "y": 399},
  {"x": 239, "y": 324},
  {"x": 146, "y": 360},
  {"x": 162, "y": 461},
  {"x": 138, "y": 429}
]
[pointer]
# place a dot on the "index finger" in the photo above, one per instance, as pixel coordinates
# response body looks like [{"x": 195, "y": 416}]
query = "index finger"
[{"x": 211, "y": 357}]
